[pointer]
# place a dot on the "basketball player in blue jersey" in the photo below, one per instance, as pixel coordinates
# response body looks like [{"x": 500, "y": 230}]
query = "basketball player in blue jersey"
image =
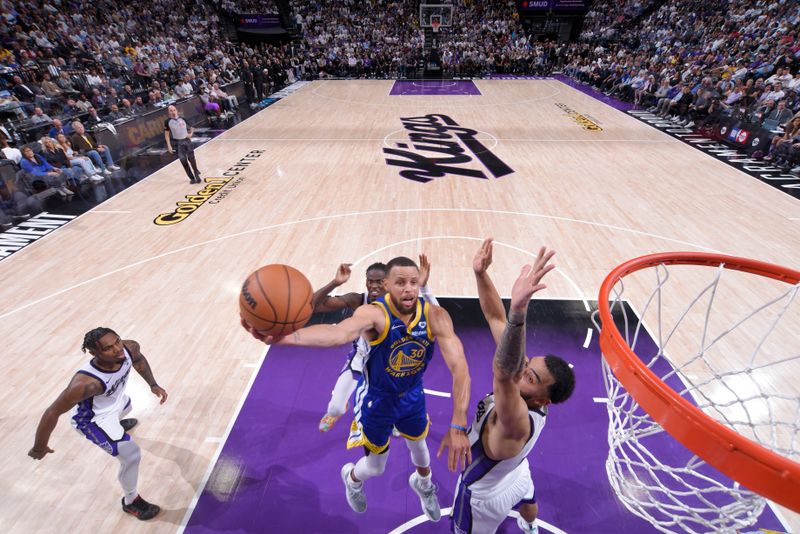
[
  {"x": 353, "y": 369},
  {"x": 509, "y": 421},
  {"x": 96, "y": 396},
  {"x": 401, "y": 328}
]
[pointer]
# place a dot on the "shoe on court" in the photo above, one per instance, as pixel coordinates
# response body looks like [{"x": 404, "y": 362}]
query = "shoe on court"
[
  {"x": 526, "y": 527},
  {"x": 140, "y": 509},
  {"x": 127, "y": 424},
  {"x": 427, "y": 498},
  {"x": 355, "y": 496}
]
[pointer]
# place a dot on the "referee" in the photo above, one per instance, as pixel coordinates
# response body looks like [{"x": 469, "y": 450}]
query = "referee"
[{"x": 182, "y": 135}]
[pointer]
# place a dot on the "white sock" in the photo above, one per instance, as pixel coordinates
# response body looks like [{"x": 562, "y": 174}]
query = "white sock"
[
  {"x": 352, "y": 483},
  {"x": 424, "y": 482}
]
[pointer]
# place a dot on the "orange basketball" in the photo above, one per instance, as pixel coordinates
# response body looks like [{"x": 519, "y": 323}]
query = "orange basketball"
[{"x": 276, "y": 300}]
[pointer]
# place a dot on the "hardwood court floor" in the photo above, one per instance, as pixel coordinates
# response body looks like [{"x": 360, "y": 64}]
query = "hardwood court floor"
[{"x": 319, "y": 192}]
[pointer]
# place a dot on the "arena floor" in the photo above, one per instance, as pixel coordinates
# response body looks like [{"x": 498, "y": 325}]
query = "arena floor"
[{"x": 330, "y": 175}]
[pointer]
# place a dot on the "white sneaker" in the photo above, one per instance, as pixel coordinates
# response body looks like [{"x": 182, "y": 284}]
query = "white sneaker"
[
  {"x": 355, "y": 496},
  {"x": 65, "y": 192},
  {"x": 427, "y": 498},
  {"x": 526, "y": 527},
  {"x": 114, "y": 167},
  {"x": 96, "y": 178},
  {"x": 107, "y": 172}
]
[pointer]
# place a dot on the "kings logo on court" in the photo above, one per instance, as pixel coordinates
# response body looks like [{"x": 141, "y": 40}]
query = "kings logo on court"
[{"x": 438, "y": 146}]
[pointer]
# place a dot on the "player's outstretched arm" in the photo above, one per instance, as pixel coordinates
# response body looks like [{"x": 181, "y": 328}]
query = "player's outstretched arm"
[
  {"x": 453, "y": 353},
  {"x": 366, "y": 320},
  {"x": 322, "y": 301},
  {"x": 81, "y": 387},
  {"x": 509, "y": 359},
  {"x": 143, "y": 368},
  {"x": 489, "y": 298}
]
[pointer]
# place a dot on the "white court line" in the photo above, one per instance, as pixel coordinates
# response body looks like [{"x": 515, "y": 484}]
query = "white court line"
[
  {"x": 144, "y": 179},
  {"x": 588, "y": 339},
  {"x": 109, "y": 211},
  {"x": 405, "y": 211},
  {"x": 543, "y": 525},
  {"x": 436, "y": 393},
  {"x": 436, "y": 101},
  {"x": 559, "y": 271},
  {"x": 223, "y": 440},
  {"x": 408, "y": 141},
  {"x": 479, "y": 138}
]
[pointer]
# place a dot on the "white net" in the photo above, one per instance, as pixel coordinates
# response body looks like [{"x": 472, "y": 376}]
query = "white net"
[{"x": 727, "y": 342}]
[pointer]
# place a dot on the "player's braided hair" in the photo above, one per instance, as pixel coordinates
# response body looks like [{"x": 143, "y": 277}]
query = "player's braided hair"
[{"x": 92, "y": 337}]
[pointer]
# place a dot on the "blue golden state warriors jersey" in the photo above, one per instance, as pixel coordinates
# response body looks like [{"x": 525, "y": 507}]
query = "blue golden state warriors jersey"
[{"x": 400, "y": 354}]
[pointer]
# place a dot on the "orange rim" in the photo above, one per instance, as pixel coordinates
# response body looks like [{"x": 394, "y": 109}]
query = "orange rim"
[{"x": 745, "y": 461}]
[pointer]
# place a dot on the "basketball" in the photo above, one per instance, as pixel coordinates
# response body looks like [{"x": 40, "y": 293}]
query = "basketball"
[{"x": 276, "y": 300}]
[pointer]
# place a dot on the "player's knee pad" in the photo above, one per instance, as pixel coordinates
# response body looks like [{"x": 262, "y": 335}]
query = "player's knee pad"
[
  {"x": 420, "y": 456},
  {"x": 372, "y": 465}
]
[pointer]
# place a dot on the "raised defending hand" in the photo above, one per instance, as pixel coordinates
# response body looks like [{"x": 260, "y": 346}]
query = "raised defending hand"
[
  {"x": 159, "y": 392},
  {"x": 424, "y": 270},
  {"x": 458, "y": 450},
  {"x": 483, "y": 258},
  {"x": 529, "y": 281},
  {"x": 38, "y": 454},
  {"x": 342, "y": 274},
  {"x": 269, "y": 340}
]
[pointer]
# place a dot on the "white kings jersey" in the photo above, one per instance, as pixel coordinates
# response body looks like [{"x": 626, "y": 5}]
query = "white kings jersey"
[
  {"x": 486, "y": 476},
  {"x": 112, "y": 400}
]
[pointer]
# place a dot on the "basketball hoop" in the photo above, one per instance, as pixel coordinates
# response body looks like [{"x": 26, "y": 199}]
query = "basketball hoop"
[
  {"x": 436, "y": 23},
  {"x": 735, "y": 365}
]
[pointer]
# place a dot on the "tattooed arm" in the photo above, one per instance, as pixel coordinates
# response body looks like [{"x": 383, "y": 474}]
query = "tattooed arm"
[
  {"x": 143, "y": 368},
  {"x": 509, "y": 359},
  {"x": 80, "y": 388}
]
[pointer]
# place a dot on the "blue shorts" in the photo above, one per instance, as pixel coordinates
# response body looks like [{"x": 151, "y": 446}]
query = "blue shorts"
[{"x": 376, "y": 414}]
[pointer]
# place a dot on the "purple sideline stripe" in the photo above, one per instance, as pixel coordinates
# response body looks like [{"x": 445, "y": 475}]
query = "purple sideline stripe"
[
  {"x": 597, "y": 95},
  {"x": 277, "y": 473},
  {"x": 434, "y": 88}
]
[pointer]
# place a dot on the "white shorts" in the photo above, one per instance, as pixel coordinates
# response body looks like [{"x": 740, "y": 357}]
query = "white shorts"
[
  {"x": 105, "y": 430},
  {"x": 475, "y": 514}
]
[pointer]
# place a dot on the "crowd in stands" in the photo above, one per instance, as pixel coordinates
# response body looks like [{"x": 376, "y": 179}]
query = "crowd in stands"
[
  {"x": 247, "y": 7},
  {"x": 605, "y": 17},
  {"x": 485, "y": 37},
  {"x": 372, "y": 38},
  {"x": 691, "y": 60},
  {"x": 698, "y": 61}
]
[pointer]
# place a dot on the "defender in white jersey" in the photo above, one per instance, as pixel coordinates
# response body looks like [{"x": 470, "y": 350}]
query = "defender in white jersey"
[
  {"x": 509, "y": 421},
  {"x": 96, "y": 397},
  {"x": 353, "y": 368}
]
